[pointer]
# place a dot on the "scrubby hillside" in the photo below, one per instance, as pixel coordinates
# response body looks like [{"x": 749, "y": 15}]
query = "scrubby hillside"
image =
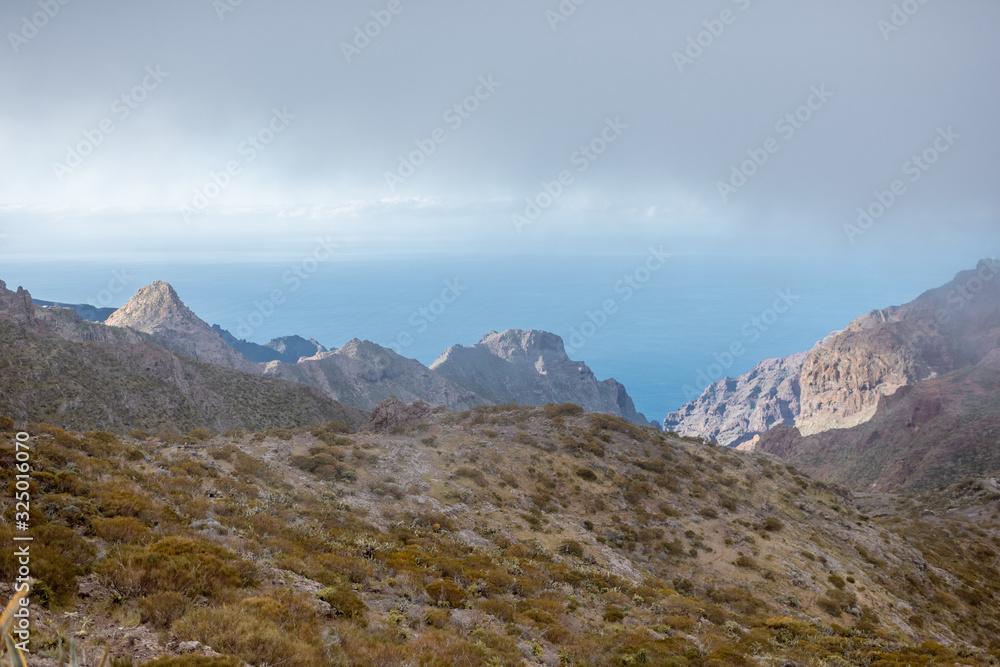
[{"x": 498, "y": 536}]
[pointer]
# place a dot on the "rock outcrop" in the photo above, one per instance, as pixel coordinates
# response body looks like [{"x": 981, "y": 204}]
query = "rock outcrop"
[
  {"x": 363, "y": 374},
  {"x": 532, "y": 368}
]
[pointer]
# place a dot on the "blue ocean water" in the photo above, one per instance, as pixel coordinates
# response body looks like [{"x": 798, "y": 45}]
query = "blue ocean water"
[{"x": 663, "y": 328}]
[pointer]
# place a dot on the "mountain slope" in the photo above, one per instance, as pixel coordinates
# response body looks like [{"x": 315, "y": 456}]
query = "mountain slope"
[
  {"x": 532, "y": 368},
  {"x": 287, "y": 349},
  {"x": 944, "y": 329},
  {"x": 56, "y": 367},
  {"x": 503, "y": 536}
]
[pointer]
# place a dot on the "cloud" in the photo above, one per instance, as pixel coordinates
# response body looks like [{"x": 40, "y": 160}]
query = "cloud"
[{"x": 422, "y": 72}]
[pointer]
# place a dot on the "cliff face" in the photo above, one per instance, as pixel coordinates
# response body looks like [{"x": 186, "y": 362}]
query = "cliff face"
[
  {"x": 942, "y": 330},
  {"x": 936, "y": 432},
  {"x": 840, "y": 383},
  {"x": 734, "y": 410},
  {"x": 532, "y": 368}
]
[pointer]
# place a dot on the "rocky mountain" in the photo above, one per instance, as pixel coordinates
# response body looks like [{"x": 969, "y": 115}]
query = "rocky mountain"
[
  {"x": 158, "y": 311},
  {"x": 84, "y": 310},
  {"x": 734, "y": 410},
  {"x": 840, "y": 382},
  {"x": 531, "y": 368},
  {"x": 362, "y": 374},
  {"x": 287, "y": 349},
  {"x": 944, "y": 329},
  {"x": 56, "y": 367},
  {"x": 935, "y": 432}
]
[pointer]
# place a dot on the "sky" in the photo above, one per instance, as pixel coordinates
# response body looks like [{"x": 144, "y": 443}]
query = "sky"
[{"x": 230, "y": 130}]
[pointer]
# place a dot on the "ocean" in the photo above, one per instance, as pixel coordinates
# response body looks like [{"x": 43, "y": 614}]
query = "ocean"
[{"x": 663, "y": 326}]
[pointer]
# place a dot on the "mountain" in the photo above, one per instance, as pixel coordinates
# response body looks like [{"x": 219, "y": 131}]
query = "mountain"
[
  {"x": 532, "y": 368},
  {"x": 84, "y": 310},
  {"x": 363, "y": 374},
  {"x": 733, "y": 410},
  {"x": 287, "y": 349},
  {"x": 158, "y": 311},
  {"x": 903, "y": 398},
  {"x": 293, "y": 348},
  {"x": 944, "y": 329},
  {"x": 500, "y": 536},
  {"x": 529, "y": 367},
  {"x": 933, "y": 433},
  {"x": 56, "y": 367},
  {"x": 839, "y": 383}
]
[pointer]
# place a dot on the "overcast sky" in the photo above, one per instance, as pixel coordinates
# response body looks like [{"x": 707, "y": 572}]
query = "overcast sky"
[{"x": 332, "y": 112}]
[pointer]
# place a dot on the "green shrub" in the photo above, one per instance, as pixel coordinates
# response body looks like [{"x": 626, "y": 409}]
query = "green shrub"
[
  {"x": 561, "y": 410},
  {"x": 773, "y": 524},
  {"x": 161, "y": 609},
  {"x": 587, "y": 474},
  {"x": 177, "y": 564},
  {"x": 571, "y": 548},
  {"x": 344, "y": 601},
  {"x": 446, "y": 593},
  {"x": 121, "y": 530}
]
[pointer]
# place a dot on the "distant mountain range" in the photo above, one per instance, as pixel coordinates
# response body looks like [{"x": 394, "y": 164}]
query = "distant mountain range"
[
  {"x": 904, "y": 397},
  {"x": 526, "y": 367}
]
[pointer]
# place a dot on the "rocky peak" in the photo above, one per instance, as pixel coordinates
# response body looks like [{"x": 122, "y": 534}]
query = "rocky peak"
[
  {"x": 157, "y": 310},
  {"x": 154, "y": 308},
  {"x": 530, "y": 346}
]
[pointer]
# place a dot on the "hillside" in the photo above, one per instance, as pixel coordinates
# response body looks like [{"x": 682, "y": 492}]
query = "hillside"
[
  {"x": 56, "y": 367},
  {"x": 497, "y": 536}
]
